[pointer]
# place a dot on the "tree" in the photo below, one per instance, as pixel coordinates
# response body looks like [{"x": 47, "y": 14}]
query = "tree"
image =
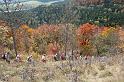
[
  {"x": 5, "y": 38},
  {"x": 110, "y": 38},
  {"x": 85, "y": 35},
  {"x": 9, "y": 17},
  {"x": 24, "y": 38},
  {"x": 14, "y": 15},
  {"x": 45, "y": 35}
]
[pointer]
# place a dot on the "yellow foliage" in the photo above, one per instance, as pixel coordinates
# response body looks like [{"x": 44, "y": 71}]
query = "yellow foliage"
[
  {"x": 30, "y": 30},
  {"x": 24, "y": 56},
  {"x": 36, "y": 56},
  {"x": 24, "y": 26},
  {"x": 104, "y": 34},
  {"x": 106, "y": 31}
]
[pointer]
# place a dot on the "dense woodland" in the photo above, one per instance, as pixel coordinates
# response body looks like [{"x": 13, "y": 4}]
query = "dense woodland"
[{"x": 60, "y": 22}]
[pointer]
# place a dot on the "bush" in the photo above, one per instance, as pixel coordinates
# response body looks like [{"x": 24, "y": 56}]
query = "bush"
[{"x": 105, "y": 74}]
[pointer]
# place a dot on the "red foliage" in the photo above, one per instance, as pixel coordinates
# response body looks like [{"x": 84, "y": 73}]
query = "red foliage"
[
  {"x": 84, "y": 42},
  {"x": 85, "y": 32},
  {"x": 86, "y": 29},
  {"x": 53, "y": 48}
]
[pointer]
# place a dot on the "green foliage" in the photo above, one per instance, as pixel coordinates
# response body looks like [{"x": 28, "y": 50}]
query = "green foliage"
[
  {"x": 56, "y": 14},
  {"x": 105, "y": 15},
  {"x": 110, "y": 16},
  {"x": 102, "y": 15},
  {"x": 40, "y": 44},
  {"x": 104, "y": 44}
]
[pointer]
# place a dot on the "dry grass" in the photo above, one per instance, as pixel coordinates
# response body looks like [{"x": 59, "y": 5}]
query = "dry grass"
[{"x": 111, "y": 71}]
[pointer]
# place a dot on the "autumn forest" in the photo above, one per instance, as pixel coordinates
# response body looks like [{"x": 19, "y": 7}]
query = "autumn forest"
[{"x": 63, "y": 41}]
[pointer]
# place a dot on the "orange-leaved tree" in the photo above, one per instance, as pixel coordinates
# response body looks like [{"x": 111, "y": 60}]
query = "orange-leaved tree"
[
  {"x": 45, "y": 36},
  {"x": 84, "y": 36},
  {"x": 24, "y": 37}
]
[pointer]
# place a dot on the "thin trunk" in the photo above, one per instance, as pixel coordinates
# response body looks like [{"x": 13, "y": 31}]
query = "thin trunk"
[
  {"x": 65, "y": 49},
  {"x": 98, "y": 53},
  {"x": 14, "y": 40},
  {"x": 72, "y": 54},
  {"x": 26, "y": 42},
  {"x": 11, "y": 27},
  {"x": 66, "y": 36}
]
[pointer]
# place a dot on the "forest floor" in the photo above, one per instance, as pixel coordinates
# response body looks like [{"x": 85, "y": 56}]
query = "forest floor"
[{"x": 110, "y": 70}]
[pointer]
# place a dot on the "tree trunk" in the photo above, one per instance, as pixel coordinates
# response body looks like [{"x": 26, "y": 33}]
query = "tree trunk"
[
  {"x": 98, "y": 53},
  {"x": 66, "y": 36},
  {"x": 26, "y": 42},
  {"x": 14, "y": 40}
]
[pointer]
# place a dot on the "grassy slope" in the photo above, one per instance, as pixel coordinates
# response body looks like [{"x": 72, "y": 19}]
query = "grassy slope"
[{"x": 112, "y": 71}]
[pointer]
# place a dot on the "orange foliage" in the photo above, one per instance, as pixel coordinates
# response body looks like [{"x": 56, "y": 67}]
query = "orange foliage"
[
  {"x": 47, "y": 28},
  {"x": 23, "y": 34},
  {"x": 85, "y": 32},
  {"x": 24, "y": 26},
  {"x": 84, "y": 42},
  {"x": 107, "y": 30},
  {"x": 30, "y": 30},
  {"x": 86, "y": 29}
]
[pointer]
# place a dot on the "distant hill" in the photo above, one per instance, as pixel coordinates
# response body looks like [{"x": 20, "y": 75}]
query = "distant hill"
[
  {"x": 49, "y": 0},
  {"x": 32, "y": 0},
  {"x": 35, "y": 3},
  {"x": 30, "y": 4}
]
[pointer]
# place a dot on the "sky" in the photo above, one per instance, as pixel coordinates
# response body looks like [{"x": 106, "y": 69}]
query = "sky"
[
  {"x": 30, "y": 0},
  {"x": 14, "y": 0}
]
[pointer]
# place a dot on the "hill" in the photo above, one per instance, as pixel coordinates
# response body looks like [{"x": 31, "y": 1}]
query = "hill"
[
  {"x": 111, "y": 71},
  {"x": 30, "y": 4}
]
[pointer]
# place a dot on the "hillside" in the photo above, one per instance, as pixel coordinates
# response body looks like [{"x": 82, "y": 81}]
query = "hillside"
[
  {"x": 111, "y": 71},
  {"x": 30, "y": 4},
  {"x": 62, "y": 41}
]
